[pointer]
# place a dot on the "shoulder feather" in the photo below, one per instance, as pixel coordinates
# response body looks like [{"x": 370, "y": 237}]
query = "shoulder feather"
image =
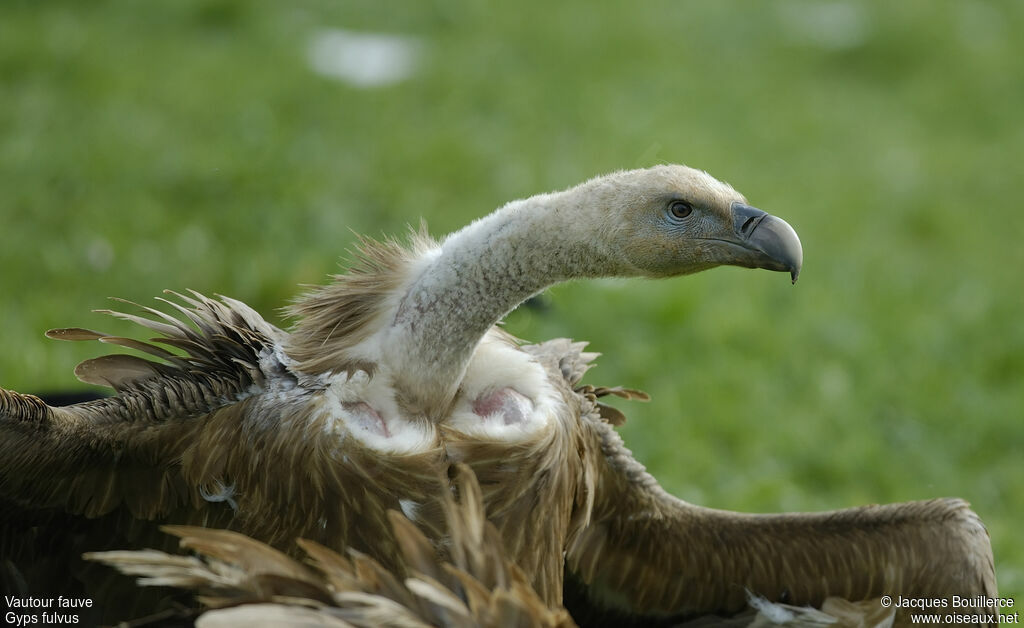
[
  {"x": 223, "y": 349},
  {"x": 90, "y": 457}
]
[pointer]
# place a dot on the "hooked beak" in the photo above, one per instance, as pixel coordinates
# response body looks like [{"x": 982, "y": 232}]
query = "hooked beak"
[{"x": 774, "y": 243}]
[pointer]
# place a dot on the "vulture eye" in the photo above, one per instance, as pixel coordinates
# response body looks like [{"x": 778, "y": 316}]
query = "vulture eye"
[{"x": 680, "y": 209}]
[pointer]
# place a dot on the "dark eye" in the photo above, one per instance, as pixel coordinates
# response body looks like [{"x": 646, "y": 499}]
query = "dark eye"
[{"x": 680, "y": 209}]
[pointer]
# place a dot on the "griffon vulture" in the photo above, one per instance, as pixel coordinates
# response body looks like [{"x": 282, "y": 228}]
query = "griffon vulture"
[{"x": 395, "y": 371}]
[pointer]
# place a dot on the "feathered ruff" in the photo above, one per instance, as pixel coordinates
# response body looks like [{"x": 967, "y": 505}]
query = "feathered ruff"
[
  {"x": 472, "y": 582},
  {"x": 536, "y": 490},
  {"x": 333, "y": 318}
]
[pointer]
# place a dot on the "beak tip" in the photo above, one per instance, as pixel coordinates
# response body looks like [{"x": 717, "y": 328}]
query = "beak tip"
[
  {"x": 780, "y": 242},
  {"x": 771, "y": 238}
]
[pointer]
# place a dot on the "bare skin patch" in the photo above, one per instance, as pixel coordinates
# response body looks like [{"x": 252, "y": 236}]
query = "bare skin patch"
[
  {"x": 365, "y": 408},
  {"x": 367, "y": 418},
  {"x": 505, "y": 405}
]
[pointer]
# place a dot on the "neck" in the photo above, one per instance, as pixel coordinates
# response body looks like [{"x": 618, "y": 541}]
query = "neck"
[{"x": 480, "y": 274}]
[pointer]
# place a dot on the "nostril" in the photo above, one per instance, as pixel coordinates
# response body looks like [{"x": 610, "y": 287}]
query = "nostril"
[{"x": 745, "y": 219}]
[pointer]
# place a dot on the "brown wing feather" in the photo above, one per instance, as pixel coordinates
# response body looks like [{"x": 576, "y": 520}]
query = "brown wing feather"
[
  {"x": 87, "y": 476},
  {"x": 192, "y": 441},
  {"x": 481, "y": 587},
  {"x": 646, "y": 556},
  {"x": 91, "y": 457},
  {"x": 649, "y": 554}
]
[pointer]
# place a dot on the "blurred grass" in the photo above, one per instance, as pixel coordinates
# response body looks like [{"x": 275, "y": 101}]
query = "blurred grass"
[{"x": 186, "y": 144}]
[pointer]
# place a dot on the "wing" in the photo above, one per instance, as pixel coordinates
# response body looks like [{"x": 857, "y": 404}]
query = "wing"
[
  {"x": 128, "y": 450},
  {"x": 648, "y": 556},
  {"x": 97, "y": 475}
]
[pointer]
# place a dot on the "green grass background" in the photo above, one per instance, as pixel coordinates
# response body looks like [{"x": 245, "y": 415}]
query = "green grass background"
[{"x": 187, "y": 144}]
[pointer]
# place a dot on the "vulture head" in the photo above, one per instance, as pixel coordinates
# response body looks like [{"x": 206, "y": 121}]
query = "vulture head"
[{"x": 674, "y": 220}]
